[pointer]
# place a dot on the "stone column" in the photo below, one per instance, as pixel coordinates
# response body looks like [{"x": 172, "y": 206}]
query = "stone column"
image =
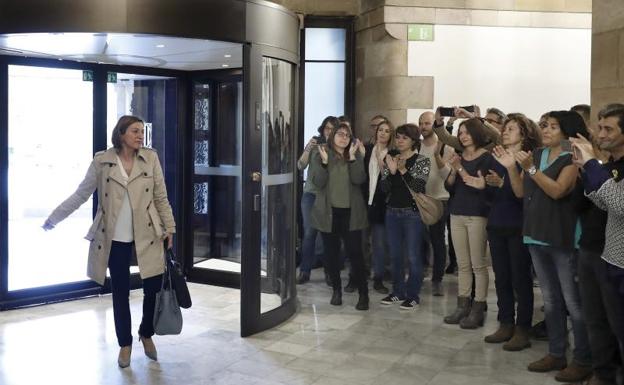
[{"x": 607, "y": 79}]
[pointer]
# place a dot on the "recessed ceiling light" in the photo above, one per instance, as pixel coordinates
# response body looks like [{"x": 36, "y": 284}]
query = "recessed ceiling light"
[
  {"x": 227, "y": 55},
  {"x": 160, "y": 46},
  {"x": 225, "y": 65}
]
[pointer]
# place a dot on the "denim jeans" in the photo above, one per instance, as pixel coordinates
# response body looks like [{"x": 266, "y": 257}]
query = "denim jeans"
[
  {"x": 603, "y": 314},
  {"x": 556, "y": 271},
  {"x": 513, "y": 278},
  {"x": 404, "y": 229},
  {"x": 119, "y": 267},
  {"x": 309, "y": 244},
  {"x": 436, "y": 235}
]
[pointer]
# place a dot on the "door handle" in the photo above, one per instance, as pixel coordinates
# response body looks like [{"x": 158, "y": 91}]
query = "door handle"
[{"x": 256, "y": 202}]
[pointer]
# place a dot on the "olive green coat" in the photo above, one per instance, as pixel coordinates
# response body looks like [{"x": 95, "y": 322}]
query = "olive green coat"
[
  {"x": 152, "y": 217},
  {"x": 321, "y": 216}
]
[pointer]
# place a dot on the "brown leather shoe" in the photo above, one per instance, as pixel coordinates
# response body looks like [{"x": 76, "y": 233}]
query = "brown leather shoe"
[
  {"x": 124, "y": 356},
  {"x": 574, "y": 373},
  {"x": 503, "y": 334},
  {"x": 519, "y": 341},
  {"x": 547, "y": 363}
]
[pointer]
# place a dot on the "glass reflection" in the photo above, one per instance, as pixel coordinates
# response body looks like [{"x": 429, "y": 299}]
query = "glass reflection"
[{"x": 277, "y": 182}]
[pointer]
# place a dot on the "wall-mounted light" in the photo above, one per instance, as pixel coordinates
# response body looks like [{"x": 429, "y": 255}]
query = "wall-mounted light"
[
  {"x": 160, "y": 46},
  {"x": 225, "y": 65},
  {"x": 227, "y": 55}
]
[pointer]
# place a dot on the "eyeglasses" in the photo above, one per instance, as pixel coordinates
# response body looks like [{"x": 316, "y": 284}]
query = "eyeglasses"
[{"x": 343, "y": 134}]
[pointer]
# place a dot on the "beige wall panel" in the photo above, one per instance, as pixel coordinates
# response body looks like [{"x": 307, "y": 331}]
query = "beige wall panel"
[
  {"x": 397, "y": 31},
  {"x": 452, "y": 16},
  {"x": 428, "y": 3},
  {"x": 578, "y": 5},
  {"x": 367, "y": 5},
  {"x": 514, "y": 19},
  {"x": 605, "y": 56},
  {"x": 409, "y": 15},
  {"x": 561, "y": 20},
  {"x": 601, "y": 97},
  {"x": 484, "y": 18},
  {"x": 490, "y": 4},
  {"x": 540, "y": 5}
]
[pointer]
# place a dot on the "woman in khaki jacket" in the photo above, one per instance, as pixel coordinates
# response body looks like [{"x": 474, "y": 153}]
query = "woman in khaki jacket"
[{"x": 133, "y": 217}]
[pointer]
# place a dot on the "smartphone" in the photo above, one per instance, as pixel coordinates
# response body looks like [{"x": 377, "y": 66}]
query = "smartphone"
[
  {"x": 566, "y": 145},
  {"x": 320, "y": 139},
  {"x": 447, "y": 111},
  {"x": 469, "y": 108}
]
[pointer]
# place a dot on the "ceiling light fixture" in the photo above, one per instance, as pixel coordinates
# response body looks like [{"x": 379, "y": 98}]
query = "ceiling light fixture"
[
  {"x": 160, "y": 46},
  {"x": 225, "y": 65},
  {"x": 227, "y": 55}
]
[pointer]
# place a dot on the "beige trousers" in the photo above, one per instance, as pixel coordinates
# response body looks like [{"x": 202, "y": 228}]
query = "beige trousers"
[{"x": 469, "y": 240}]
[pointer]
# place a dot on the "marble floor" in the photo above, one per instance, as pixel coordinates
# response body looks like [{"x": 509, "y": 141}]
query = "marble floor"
[{"x": 74, "y": 343}]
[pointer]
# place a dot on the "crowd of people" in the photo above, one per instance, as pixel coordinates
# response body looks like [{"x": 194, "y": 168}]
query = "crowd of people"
[{"x": 545, "y": 197}]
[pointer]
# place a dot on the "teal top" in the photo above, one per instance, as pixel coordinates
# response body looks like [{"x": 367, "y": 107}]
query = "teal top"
[{"x": 577, "y": 232}]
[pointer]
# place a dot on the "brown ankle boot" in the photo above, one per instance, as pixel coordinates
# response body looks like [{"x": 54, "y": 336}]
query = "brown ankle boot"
[
  {"x": 462, "y": 310},
  {"x": 574, "y": 373},
  {"x": 547, "y": 363},
  {"x": 476, "y": 317},
  {"x": 519, "y": 341},
  {"x": 503, "y": 334}
]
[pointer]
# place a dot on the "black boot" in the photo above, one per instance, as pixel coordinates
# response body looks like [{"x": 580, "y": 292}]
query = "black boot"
[
  {"x": 303, "y": 278},
  {"x": 350, "y": 288},
  {"x": 379, "y": 286},
  {"x": 476, "y": 317},
  {"x": 462, "y": 310},
  {"x": 363, "y": 301},
  {"x": 328, "y": 279},
  {"x": 336, "y": 298}
]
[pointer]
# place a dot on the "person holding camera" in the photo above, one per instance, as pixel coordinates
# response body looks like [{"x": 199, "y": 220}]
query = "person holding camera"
[
  {"x": 308, "y": 244},
  {"x": 339, "y": 212},
  {"x": 492, "y": 133},
  {"x": 133, "y": 217}
]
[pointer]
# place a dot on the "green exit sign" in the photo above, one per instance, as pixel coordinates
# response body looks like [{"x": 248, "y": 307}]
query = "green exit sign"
[
  {"x": 87, "y": 76},
  {"x": 420, "y": 32},
  {"x": 111, "y": 77}
]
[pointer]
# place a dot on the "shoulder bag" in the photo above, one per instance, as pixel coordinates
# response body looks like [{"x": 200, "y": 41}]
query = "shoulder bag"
[
  {"x": 178, "y": 281},
  {"x": 167, "y": 313},
  {"x": 430, "y": 209}
]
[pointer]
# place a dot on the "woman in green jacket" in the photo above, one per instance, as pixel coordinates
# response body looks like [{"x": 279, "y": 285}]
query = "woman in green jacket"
[{"x": 337, "y": 169}]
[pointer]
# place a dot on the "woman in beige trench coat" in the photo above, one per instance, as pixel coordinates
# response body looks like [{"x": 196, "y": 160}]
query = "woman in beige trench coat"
[{"x": 132, "y": 219}]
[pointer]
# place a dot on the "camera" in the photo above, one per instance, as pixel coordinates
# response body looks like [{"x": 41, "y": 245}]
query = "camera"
[
  {"x": 450, "y": 111},
  {"x": 320, "y": 139}
]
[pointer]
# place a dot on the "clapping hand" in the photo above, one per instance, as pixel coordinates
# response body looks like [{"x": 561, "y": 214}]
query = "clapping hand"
[
  {"x": 583, "y": 150},
  {"x": 391, "y": 162},
  {"x": 462, "y": 113},
  {"x": 477, "y": 182},
  {"x": 323, "y": 153},
  {"x": 353, "y": 148},
  {"x": 493, "y": 179},
  {"x": 525, "y": 159},
  {"x": 504, "y": 157},
  {"x": 455, "y": 162}
]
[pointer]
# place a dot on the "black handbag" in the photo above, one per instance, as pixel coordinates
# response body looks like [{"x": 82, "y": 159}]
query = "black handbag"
[
  {"x": 167, "y": 313},
  {"x": 178, "y": 281}
]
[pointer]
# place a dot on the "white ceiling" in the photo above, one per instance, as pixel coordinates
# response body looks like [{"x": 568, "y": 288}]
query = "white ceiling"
[{"x": 126, "y": 49}]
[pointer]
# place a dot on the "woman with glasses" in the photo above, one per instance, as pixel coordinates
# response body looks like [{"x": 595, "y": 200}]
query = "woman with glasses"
[{"x": 339, "y": 211}]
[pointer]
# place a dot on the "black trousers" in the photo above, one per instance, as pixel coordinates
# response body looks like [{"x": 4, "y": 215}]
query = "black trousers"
[
  {"x": 353, "y": 250},
  {"x": 119, "y": 267},
  {"x": 603, "y": 312},
  {"x": 438, "y": 244},
  {"x": 513, "y": 279}
]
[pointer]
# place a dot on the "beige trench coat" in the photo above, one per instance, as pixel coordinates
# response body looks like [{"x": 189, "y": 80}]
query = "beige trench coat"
[{"x": 152, "y": 217}]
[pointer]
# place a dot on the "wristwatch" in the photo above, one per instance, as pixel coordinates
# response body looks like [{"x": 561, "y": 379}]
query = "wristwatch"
[{"x": 532, "y": 170}]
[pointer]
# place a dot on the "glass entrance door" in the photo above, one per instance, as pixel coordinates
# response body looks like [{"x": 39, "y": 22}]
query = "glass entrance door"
[{"x": 217, "y": 184}]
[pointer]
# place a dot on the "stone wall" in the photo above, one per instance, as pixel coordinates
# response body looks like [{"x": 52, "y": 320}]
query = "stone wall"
[
  {"x": 382, "y": 84},
  {"x": 607, "y": 53}
]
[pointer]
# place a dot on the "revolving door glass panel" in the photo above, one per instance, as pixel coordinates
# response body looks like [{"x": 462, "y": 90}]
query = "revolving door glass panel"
[
  {"x": 217, "y": 189},
  {"x": 277, "y": 230}
]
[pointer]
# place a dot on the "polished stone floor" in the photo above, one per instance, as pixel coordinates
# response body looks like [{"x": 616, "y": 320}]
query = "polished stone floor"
[{"x": 74, "y": 343}]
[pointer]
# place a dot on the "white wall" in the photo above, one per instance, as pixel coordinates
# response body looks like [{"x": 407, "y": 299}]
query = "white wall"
[{"x": 529, "y": 70}]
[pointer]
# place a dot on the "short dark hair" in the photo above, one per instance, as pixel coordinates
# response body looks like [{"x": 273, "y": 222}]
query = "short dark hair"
[
  {"x": 614, "y": 110},
  {"x": 121, "y": 127},
  {"x": 412, "y": 131},
  {"x": 477, "y": 131},
  {"x": 583, "y": 109},
  {"x": 329, "y": 119},
  {"x": 571, "y": 123}
]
